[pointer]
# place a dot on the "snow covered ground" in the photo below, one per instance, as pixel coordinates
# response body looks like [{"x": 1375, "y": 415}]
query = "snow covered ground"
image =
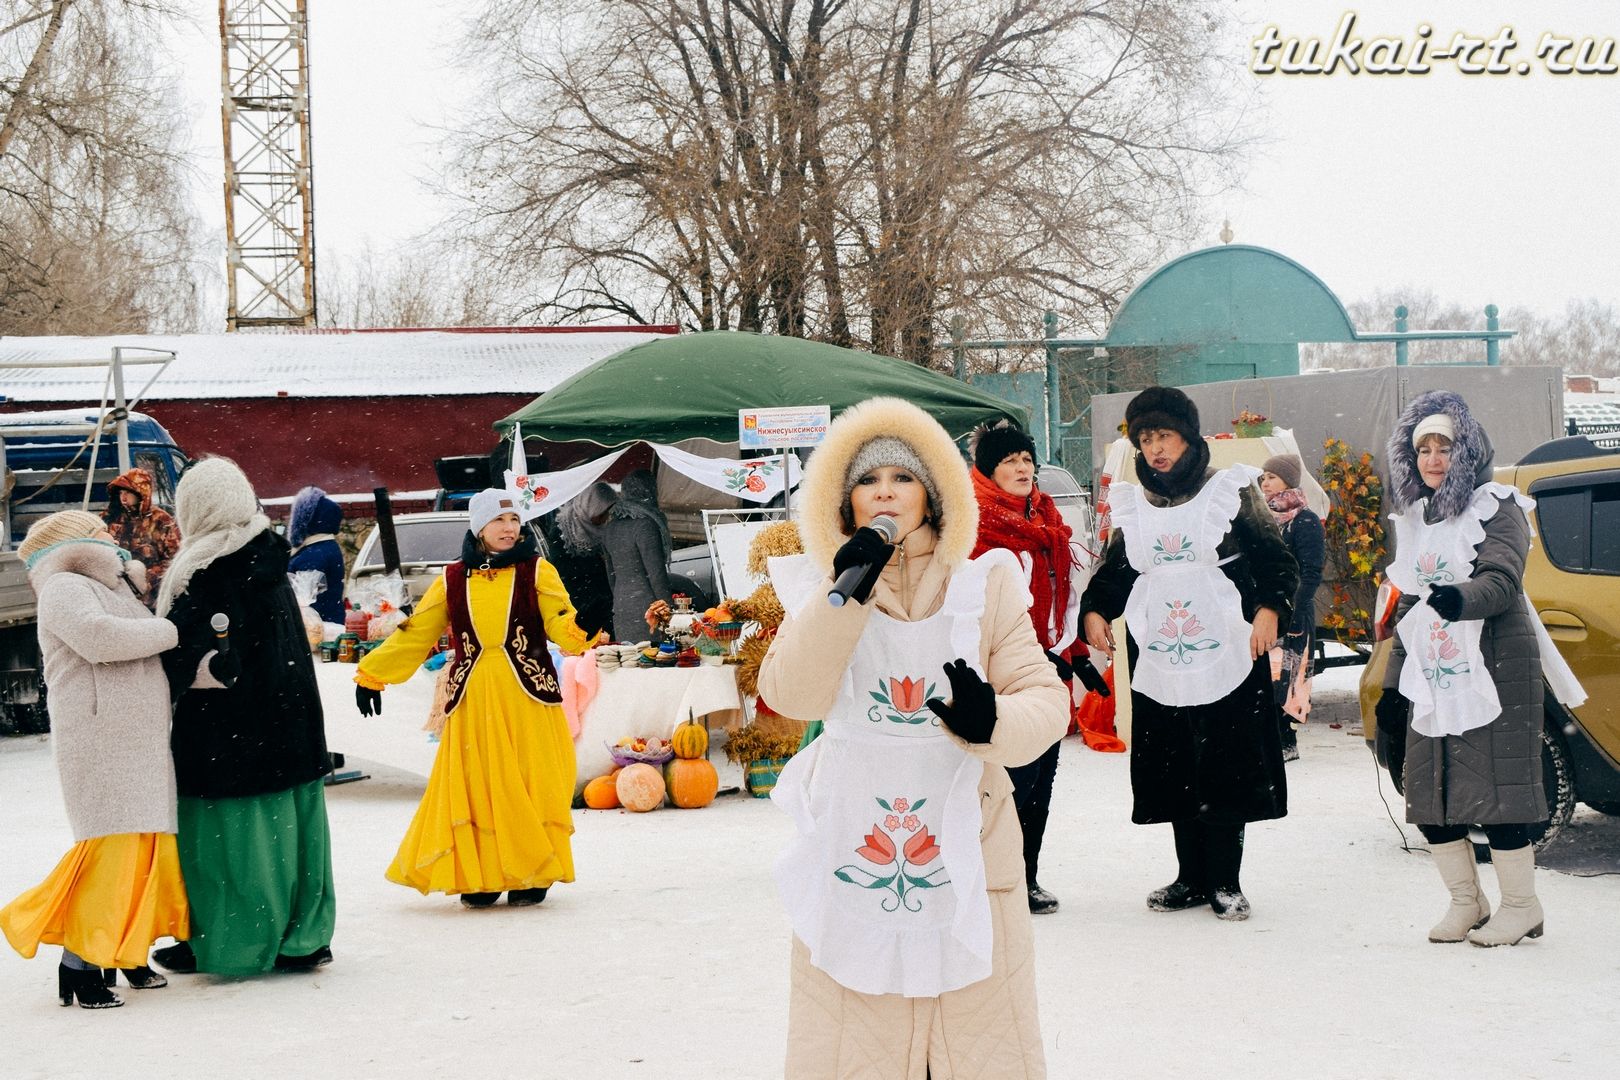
[{"x": 668, "y": 958}]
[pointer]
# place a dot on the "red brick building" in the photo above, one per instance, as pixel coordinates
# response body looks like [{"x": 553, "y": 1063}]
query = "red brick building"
[{"x": 347, "y": 410}]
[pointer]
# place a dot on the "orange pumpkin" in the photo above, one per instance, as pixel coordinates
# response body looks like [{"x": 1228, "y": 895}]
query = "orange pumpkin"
[
  {"x": 640, "y": 788},
  {"x": 691, "y": 740},
  {"x": 692, "y": 782},
  {"x": 601, "y": 794}
]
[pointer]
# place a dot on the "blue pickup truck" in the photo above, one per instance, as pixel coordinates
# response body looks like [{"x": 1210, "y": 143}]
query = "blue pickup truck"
[{"x": 50, "y": 461}]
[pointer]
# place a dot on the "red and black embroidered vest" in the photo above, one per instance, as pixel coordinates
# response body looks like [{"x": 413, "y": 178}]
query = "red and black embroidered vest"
[{"x": 524, "y": 642}]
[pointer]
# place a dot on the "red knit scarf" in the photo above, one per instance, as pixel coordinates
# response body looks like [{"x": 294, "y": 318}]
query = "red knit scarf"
[{"x": 1043, "y": 534}]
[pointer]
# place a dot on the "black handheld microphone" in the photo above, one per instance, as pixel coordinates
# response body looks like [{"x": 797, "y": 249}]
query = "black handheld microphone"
[
  {"x": 221, "y": 624},
  {"x": 850, "y": 580}
]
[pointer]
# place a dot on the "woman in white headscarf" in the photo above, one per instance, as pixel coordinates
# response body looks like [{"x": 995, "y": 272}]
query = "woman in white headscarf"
[{"x": 249, "y": 758}]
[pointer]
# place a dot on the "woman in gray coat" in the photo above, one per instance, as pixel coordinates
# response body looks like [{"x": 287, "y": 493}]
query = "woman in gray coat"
[
  {"x": 1464, "y": 678},
  {"x": 119, "y": 887},
  {"x": 636, "y": 546}
]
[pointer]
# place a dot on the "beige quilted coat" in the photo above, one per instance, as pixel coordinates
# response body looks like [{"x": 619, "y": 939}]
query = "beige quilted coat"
[{"x": 989, "y": 1029}]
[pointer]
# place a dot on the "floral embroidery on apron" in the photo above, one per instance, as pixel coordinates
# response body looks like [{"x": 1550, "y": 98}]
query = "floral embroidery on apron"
[
  {"x": 884, "y": 880},
  {"x": 1450, "y": 689},
  {"x": 1185, "y": 615}
]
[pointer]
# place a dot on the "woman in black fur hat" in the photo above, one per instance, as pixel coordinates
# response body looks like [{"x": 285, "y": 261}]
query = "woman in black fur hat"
[
  {"x": 1198, "y": 568},
  {"x": 1462, "y": 701}
]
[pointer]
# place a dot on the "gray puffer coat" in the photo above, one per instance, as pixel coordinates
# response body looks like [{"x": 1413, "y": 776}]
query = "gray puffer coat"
[
  {"x": 109, "y": 699},
  {"x": 1492, "y": 774}
]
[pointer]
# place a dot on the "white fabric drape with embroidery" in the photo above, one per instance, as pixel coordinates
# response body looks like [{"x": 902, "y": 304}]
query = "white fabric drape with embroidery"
[{"x": 757, "y": 480}]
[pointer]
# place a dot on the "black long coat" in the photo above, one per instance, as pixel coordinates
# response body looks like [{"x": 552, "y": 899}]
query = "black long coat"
[
  {"x": 1222, "y": 761},
  {"x": 267, "y": 732}
]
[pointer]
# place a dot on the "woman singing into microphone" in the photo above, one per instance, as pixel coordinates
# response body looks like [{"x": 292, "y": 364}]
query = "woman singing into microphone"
[{"x": 905, "y": 881}]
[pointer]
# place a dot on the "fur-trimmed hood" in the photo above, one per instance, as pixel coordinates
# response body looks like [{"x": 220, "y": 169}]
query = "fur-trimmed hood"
[
  {"x": 1471, "y": 457},
  {"x": 95, "y": 559},
  {"x": 313, "y": 513},
  {"x": 819, "y": 500}
]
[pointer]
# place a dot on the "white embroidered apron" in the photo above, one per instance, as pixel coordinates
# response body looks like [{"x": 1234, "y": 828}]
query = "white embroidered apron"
[
  {"x": 1445, "y": 677},
  {"x": 884, "y": 881},
  {"x": 1184, "y": 613}
]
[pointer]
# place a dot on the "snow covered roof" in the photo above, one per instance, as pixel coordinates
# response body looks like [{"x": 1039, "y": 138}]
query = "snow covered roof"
[{"x": 335, "y": 364}]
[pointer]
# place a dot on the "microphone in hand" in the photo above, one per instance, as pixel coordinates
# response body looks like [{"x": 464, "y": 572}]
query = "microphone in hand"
[
  {"x": 225, "y": 666},
  {"x": 860, "y": 562}
]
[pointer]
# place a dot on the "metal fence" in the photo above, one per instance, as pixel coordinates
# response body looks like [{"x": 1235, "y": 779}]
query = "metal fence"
[{"x": 1604, "y": 435}]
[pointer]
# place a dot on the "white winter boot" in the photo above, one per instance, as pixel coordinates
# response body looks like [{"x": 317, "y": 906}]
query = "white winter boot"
[
  {"x": 1519, "y": 915},
  {"x": 1469, "y": 909}
]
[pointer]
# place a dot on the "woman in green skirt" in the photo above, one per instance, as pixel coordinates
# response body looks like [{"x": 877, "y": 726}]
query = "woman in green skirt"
[{"x": 249, "y": 758}]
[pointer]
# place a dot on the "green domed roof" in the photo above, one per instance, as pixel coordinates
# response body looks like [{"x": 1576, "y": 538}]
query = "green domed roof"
[{"x": 1234, "y": 293}]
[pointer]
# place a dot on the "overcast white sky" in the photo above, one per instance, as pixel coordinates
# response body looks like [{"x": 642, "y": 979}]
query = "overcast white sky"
[{"x": 1482, "y": 188}]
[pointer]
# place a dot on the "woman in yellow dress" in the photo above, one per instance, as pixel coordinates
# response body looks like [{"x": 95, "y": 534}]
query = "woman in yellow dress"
[
  {"x": 119, "y": 888},
  {"x": 496, "y": 815}
]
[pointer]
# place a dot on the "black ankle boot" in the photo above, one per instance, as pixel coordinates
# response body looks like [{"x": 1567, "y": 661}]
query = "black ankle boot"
[
  {"x": 177, "y": 958},
  {"x": 479, "y": 899},
  {"x": 86, "y": 985},
  {"x": 319, "y": 958},
  {"x": 525, "y": 897},
  {"x": 1177, "y": 896},
  {"x": 1229, "y": 903},
  {"x": 1041, "y": 902},
  {"x": 139, "y": 978}
]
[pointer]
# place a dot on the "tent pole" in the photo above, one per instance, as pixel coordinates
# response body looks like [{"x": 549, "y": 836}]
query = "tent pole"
[{"x": 787, "y": 478}]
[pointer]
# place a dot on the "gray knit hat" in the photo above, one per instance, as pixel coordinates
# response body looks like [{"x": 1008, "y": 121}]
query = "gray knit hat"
[
  {"x": 888, "y": 450},
  {"x": 1287, "y": 467}
]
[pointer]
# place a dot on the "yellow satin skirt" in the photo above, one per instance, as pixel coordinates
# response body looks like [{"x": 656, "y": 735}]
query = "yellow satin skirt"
[
  {"x": 497, "y": 813},
  {"x": 107, "y": 900}
]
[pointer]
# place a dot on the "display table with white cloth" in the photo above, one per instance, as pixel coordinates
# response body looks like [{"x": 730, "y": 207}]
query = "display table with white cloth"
[
  {"x": 628, "y": 702},
  {"x": 649, "y": 702}
]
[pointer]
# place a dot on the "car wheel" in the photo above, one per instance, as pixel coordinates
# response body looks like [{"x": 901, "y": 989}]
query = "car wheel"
[
  {"x": 1392, "y": 759},
  {"x": 1604, "y": 806},
  {"x": 1558, "y": 775}
]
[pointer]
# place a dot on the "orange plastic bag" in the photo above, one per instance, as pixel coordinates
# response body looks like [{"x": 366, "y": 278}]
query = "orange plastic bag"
[{"x": 1094, "y": 717}]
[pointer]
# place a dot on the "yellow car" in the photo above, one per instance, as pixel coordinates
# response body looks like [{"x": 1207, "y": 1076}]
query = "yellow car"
[{"x": 1573, "y": 579}]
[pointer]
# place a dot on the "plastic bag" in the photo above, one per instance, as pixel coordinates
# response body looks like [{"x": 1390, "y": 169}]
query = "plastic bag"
[
  {"x": 306, "y": 586},
  {"x": 386, "y": 602}
]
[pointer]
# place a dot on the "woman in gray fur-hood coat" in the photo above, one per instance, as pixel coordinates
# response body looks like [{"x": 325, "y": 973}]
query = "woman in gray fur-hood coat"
[{"x": 1490, "y": 775}]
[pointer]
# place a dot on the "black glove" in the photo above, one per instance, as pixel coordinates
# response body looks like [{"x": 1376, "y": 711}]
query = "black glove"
[
  {"x": 1092, "y": 679},
  {"x": 1065, "y": 670},
  {"x": 368, "y": 700},
  {"x": 1392, "y": 713},
  {"x": 225, "y": 666},
  {"x": 865, "y": 548},
  {"x": 1447, "y": 602},
  {"x": 971, "y": 715}
]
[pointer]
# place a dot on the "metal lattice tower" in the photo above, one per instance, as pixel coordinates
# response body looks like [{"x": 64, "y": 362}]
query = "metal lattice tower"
[{"x": 269, "y": 195}]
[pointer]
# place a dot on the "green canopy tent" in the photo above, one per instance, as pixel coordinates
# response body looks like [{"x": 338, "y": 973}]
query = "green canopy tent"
[{"x": 692, "y": 386}]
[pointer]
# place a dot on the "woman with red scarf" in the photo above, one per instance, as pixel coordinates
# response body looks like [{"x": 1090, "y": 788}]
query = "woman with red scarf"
[{"x": 1016, "y": 515}]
